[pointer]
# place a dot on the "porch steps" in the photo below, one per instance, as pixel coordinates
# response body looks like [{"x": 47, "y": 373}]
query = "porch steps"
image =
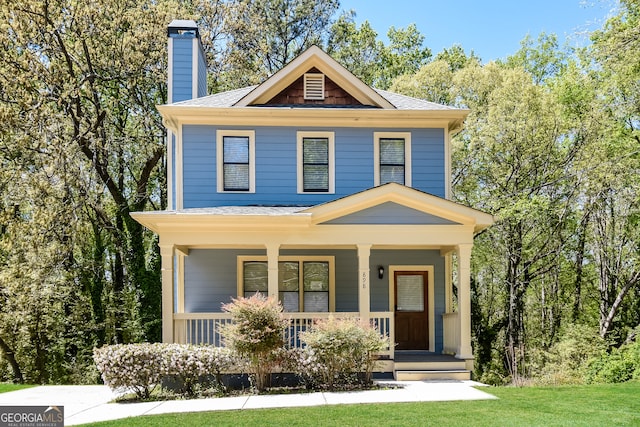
[
  {"x": 421, "y": 366},
  {"x": 450, "y": 374}
]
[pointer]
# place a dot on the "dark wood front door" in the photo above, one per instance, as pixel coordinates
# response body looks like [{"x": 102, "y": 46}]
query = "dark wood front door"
[{"x": 411, "y": 315}]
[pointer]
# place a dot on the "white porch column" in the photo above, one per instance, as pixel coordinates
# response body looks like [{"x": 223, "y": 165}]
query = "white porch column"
[
  {"x": 167, "y": 253},
  {"x": 273, "y": 252},
  {"x": 364, "y": 295},
  {"x": 464, "y": 300}
]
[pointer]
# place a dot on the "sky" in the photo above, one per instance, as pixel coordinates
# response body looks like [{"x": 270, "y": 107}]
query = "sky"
[{"x": 493, "y": 29}]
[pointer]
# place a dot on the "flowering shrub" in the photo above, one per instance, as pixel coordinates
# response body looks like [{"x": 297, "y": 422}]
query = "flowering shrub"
[
  {"x": 339, "y": 352},
  {"x": 141, "y": 367},
  {"x": 134, "y": 367},
  {"x": 256, "y": 335},
  {"x": 195, "y": 366}
]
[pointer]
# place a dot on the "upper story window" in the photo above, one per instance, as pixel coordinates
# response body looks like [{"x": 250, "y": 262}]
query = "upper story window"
[
  {"x": 304, "y": 283},
  {"x": 316, "y": 171},
  {"x": 392, "y": 157},
  {"x": 314, "y": 86},
  {"x": 236, "y": 160}
]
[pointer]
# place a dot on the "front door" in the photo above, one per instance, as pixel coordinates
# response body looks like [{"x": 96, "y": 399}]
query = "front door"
[{"x": 411, "y": 316}]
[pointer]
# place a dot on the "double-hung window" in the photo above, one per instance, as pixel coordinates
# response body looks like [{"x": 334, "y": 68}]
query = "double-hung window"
[
  {"x": 304, "y": 283},
  {"x": 316, "y": 171},
  {"x": 236, "y": 165},
  {"x": 392, "y": 157}
]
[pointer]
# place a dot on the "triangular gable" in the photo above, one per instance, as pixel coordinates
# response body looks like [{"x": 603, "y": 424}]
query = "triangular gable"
[
  {"x": 407, "y": 203},
  {"x": 314, "y": 57},
  {"x": 390, "y": 213}
]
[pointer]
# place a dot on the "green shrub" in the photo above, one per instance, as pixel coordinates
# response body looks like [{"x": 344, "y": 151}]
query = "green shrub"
[
  {"x": 619, "y": 365},
  {"x": 339, "y": 352},
  {"x": 256, "y": 335},
  {"x": 566, "y": 360}
]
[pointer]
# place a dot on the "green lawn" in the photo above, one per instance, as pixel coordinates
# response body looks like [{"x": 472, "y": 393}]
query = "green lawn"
[
  {"x": 6, "y": 387},
  {"x": 595, "y": 405}
]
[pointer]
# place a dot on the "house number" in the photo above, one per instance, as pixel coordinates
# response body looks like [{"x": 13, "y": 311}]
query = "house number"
[{"x": 364, "y": 280}]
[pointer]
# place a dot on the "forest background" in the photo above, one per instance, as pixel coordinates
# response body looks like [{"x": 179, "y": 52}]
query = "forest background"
[{"x": 551, "y": 148}]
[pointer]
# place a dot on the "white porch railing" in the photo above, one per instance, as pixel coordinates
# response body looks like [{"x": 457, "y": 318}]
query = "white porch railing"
[
  {"x": 451, "y": 323},
  {"x": 205, "y": 328}
]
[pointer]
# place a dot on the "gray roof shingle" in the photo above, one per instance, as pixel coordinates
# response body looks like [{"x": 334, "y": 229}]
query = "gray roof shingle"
[{"x": 229, "y": 98}]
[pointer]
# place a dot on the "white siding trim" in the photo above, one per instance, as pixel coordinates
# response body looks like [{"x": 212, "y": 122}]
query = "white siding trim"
[
  {"x": 194, "y": 68},
  {"x": 300, "y": 135},
  {"x": 170, "y": 72},
  {"x": 221, "y": 133},
  {"x": 407, "y": 155},
  {"x": 170, "y": 159},
  {"x": 179, "y": 174},
  {"x": 447, "y": 165}
]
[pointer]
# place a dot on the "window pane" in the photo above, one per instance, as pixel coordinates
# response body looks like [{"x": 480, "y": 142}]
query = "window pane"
[
  {"x": 392, "y": 151},
  {"x": 255, "y": 277},
  {"x": 288, "y": 276},
  {"x": 316, "y": 276},
  {"x": 290, "y": 301},
  {"x": 410, "y": 290},
  {"x": 316, "y": 301},
  {"x": 316, "y": 178},
  {"x": 236, "y": 177},
  {"x": 236, "y": 149},
  {"x": 315, "y": 150},
  {"x": 391, "y": 174}
]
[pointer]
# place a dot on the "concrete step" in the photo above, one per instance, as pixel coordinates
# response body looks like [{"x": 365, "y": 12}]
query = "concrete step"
[
  {"x": 422, "y": 375},
  {"x": 450, "y": 365}
]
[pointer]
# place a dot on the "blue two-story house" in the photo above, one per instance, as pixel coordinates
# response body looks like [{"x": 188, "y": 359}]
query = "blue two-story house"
[{"x": 318, "y": 190}]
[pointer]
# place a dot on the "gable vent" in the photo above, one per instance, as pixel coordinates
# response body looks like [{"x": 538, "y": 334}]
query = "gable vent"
[{"x": 314, "y": 86}]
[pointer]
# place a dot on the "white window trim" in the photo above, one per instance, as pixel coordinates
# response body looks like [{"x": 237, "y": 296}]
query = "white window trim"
[
  {"x": 220, "y": 134},
  {"x": 300, "y": 259},
  {"x": 332, "y": 169},
  {"x": 407, "y": 154}
]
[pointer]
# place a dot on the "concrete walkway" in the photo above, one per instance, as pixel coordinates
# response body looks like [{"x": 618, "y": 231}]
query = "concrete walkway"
[{"x": 84, "y": 404}]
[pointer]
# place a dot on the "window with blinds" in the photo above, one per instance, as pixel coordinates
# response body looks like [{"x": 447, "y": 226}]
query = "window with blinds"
[
  {"x": 392, "y": 161},
  {"x": 315, "y": 164},
  {"x": 236, "y": 163},
  {"x": 303, "y": 284},
  {"x": 235, "y": 157}
]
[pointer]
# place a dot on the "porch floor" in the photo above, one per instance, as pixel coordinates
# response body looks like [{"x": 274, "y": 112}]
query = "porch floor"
[{"x": 422, "y": 356}]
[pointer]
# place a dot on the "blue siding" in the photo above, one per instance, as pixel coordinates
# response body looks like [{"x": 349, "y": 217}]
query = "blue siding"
[
  {"x": 202, "y": 73},
  {"x": 276, "y": 167},
  {"x": 390, "y": 213},
  {"x": 211, "y": 278},
  {"x": 182, "y": 68}
]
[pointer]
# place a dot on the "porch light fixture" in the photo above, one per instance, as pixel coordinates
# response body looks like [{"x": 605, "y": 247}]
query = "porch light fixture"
[{"x": 380, "y": 272}]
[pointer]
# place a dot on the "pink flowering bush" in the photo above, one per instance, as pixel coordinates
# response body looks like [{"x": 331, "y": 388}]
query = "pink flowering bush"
[{"x": 256, "y": 335}]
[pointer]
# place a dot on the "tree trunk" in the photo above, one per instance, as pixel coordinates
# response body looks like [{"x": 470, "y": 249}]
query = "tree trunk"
[{"x": 10, "y": 356}]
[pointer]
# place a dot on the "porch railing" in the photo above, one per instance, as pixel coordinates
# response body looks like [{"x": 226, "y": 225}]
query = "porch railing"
[
  {"x": 451, "y": 325},
  {"x": 206, "y": 328}
]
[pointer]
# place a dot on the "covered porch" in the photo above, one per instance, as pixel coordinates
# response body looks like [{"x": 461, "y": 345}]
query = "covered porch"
[{"x": 383, "y": 243}]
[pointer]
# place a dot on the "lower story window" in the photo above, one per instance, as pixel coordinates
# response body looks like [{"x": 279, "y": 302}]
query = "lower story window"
[{"x": 304, "y": 283}]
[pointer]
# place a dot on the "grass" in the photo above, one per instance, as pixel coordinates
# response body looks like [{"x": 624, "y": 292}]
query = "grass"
[
  {"x": 594, "y": 405},
  {"x": 7, "y": 387}
]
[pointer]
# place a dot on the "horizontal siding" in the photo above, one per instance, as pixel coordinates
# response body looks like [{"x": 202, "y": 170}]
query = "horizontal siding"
[
  {"x": 182, "y": 69},
  {"x": 390, "y": 213},
  {"x": 211, "y": 278},
  {"x": 276, "y": 169}
]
